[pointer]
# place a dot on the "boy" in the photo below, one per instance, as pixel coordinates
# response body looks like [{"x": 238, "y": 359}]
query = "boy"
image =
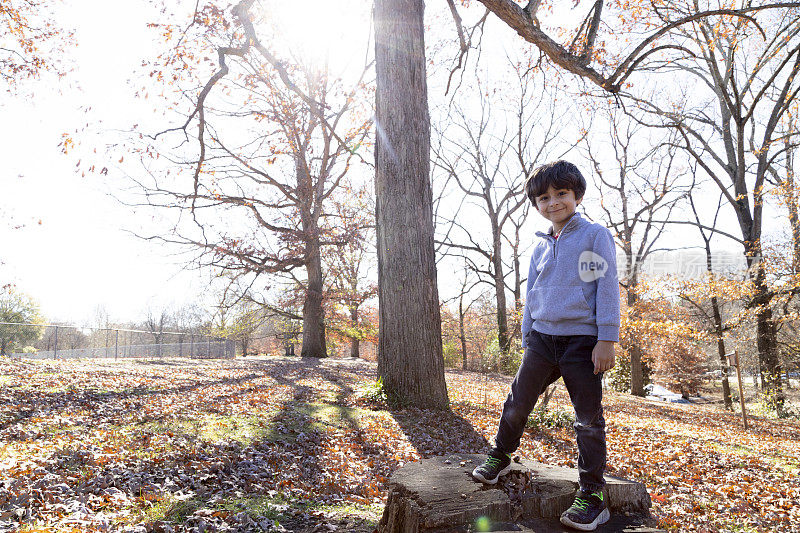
[{"x": 569, "y": 327}]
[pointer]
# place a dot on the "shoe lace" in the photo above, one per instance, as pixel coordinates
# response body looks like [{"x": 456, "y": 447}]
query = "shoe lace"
[
  {"x": 582, "y": 502},
  {"x": 492, "y": 461}
]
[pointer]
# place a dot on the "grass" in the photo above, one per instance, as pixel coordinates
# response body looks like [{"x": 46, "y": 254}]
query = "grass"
[
  {"x": 212, "y": 428},
  {"x": 269, "y": 507},
  {"x": 332, "y": 415},
  {"x": 167, "y": 509},
  {"x": 371, "y": 513},
  {"x": 785, "y": 463},
  {"x": 271, "y": 426},
  {"x": 754, "y": 403},
  {"x": 277, "y": 509}
]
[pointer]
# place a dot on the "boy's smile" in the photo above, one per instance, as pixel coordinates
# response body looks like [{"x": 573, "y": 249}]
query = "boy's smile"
[{"x": 557, "y": 206}]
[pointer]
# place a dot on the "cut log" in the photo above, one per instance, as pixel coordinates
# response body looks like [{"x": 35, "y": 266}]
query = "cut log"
[{"x": 439, "y": 494}]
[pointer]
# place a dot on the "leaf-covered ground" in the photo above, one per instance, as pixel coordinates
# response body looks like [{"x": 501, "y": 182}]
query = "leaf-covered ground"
[{"x": 278, "y": 444}]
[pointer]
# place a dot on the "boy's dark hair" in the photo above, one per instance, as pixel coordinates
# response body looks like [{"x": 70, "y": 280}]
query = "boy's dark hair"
[{"x": 561, "y": 175}]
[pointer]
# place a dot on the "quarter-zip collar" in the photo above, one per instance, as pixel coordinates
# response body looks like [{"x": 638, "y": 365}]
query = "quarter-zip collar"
[{"x": 573, "y": 222}]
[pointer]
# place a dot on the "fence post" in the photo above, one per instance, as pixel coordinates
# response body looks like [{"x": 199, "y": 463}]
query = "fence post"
[
  {"x": 733, "y": 360},
  {"x": 116, "y": 344},
  {"x": 741, "y": 389},
  {"x": 208, "y": 347},
  {"x": 55, "y": 344}
]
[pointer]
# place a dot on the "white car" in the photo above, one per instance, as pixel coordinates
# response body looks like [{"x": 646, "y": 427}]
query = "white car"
[{"x": 657, "y": 392}]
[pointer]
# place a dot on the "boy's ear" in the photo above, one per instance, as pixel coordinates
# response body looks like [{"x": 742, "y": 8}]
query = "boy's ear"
[{"x": 578, "y": 201}]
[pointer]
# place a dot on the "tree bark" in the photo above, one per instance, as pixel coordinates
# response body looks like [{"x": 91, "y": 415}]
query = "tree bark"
[
  {"x": 635, "y": 351},
  {"x": 766, "y": 328},
  {"x": 517, "y": 286},
  {"x": 354, "y": 341},
  {"x": 313, "y": 312},
  {"x": 503, "y": 338},
  {"x": 719, "y": 333},
  {"x": 410, "y": 339},
  {"x": 726, "y": 387},
  {"x": 461, "y": 333}
]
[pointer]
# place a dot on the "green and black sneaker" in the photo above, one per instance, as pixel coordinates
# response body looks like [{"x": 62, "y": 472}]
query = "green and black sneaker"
[
  {"x": 587, "y": 512},
  {"x": 496, "y": 465}
]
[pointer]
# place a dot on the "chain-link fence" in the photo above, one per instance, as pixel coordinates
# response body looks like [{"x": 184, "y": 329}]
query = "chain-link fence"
[{"x": 55, "y": 341}]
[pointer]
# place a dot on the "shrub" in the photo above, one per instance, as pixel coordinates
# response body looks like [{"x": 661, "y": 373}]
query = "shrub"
[
  {"x": 619, "y": 377},
  {"x": 680, "y": 364},
  {"x": 452, "y": 354},
  {"x": 551, "y": 418},
  {"x": 374, "y": 393}
]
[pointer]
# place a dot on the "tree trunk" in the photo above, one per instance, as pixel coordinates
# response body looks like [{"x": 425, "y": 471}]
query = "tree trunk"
[
  {"x": 794, "y": 221},
  {"x": 461, "y": 334},
  {"x": 766, "y": 333},
  {"x": 410, "y": 358},
  {"x": 766, "y": 330},
  {"x": 313, "y": 313},
  {"x": 517, "y": 288},
  {"x": 503, "y": 338},
  {"x": 634, "y": 350},
  {"x": 354, "y": 341},
  {"x": 726, "y": 387},
  {"x": 718, "y": 332}
]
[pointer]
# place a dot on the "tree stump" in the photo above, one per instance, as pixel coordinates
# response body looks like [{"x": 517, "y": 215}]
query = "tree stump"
[{"x": 439, "y": 494}]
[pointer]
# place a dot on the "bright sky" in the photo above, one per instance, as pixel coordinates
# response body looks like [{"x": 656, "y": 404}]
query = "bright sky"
[{"x": 74, "y": 251}]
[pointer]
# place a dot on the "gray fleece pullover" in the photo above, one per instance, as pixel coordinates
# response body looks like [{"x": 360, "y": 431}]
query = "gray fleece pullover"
[{"x": 572, "y": 283}]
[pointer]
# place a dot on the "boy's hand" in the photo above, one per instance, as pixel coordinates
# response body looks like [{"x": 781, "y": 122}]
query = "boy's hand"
[{"x": 603, "y": 356}]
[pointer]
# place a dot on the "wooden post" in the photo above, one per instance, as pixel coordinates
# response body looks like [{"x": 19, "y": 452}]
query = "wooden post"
[
  {"x": 733, "y": 360},
  {"x": 116, "y": 345}
]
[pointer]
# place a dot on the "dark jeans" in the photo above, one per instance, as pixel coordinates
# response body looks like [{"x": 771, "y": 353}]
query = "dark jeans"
[{"x": 546, "y": 358}]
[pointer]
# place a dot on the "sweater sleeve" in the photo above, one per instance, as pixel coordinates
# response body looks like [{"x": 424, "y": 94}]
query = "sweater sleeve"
[
  {"x": 527, "y": 320},
  {"x": 607, "y": 289}
]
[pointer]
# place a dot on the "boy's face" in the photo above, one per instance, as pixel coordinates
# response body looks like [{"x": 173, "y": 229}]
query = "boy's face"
[{"x": 557, "y": 206}]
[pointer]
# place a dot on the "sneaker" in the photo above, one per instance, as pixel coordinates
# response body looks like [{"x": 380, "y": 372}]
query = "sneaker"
[
  {"x": 496, "y": 465},
  {"x": 587, "y": 512}
]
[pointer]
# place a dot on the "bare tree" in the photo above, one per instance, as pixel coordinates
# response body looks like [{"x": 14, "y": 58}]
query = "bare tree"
[
  {"x": 156, "y": 322},
  {"x": 637, "y": 188},
  {"x": 349, "y": 265},
  {"x": 713, "y": 318},
  {"x": 486, "y": 167},
  {"x": 742, "y": 84},
  {"x": 275, "y": 140},
  {"x": 647, "y": 24},
  {"x": 467, "y": 285}
]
